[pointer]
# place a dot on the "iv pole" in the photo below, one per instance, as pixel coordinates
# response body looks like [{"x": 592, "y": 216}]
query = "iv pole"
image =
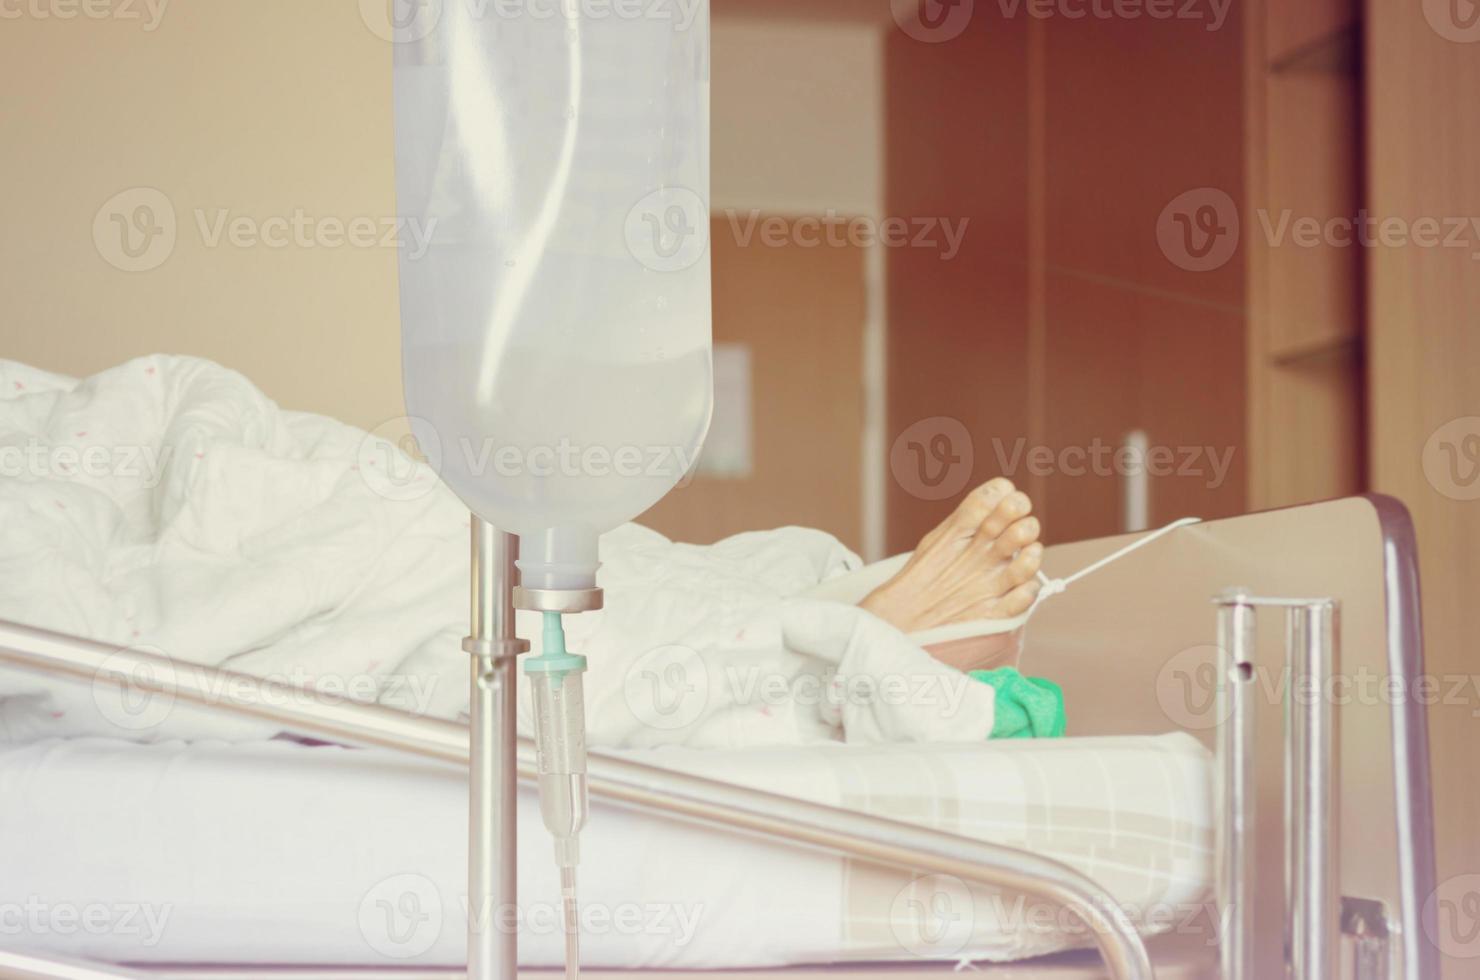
[
  {"x": 493, "y": 763},
  {"x": 493, "y": 771}
]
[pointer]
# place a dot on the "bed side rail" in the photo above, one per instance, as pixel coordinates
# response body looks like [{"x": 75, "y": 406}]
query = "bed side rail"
[{"x": 620, "y": 781}]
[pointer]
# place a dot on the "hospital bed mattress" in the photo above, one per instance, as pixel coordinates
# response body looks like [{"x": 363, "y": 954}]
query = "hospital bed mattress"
[{"x": 287, "y": 853}]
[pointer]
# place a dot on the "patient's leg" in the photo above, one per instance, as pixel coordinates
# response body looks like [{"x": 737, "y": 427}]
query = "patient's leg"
[{"x": 979, "y": 563}]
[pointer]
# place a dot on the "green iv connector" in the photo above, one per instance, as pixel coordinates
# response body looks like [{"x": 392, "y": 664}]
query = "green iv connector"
[{"x": 554, "y": 660}]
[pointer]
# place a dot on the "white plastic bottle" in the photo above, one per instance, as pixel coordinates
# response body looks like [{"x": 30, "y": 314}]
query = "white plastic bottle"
[{"x": 556, "y": 330}]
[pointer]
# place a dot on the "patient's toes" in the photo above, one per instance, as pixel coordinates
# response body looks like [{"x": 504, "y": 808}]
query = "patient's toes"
[
  {"x": 944, "y": 540},
  {"x": 1018, "y": 601},
  {"x": 979, "y": 563},
  {"x": 1011, "y": 587},
  {"x": 1017, "y": 537},
  {"x": 1013, "y": 508},
  {"x": 1025, "y": 566},
  {"x": 981, "y": 502}
]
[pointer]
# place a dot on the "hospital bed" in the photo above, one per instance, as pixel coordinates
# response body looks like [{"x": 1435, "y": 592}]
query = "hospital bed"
[{"x": 1324, "y": 853}]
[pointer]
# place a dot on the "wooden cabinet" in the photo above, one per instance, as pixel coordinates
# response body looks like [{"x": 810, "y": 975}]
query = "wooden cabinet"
[
  {"x": 1303, "y": 29},
  {"x": 1082, "y": 152},
  {"x": 1064, "y": 325},
  {"x": 1142, "y": 138},
  {"x": 1305, "y": 260},
  {"x": 956, "y": 147}
]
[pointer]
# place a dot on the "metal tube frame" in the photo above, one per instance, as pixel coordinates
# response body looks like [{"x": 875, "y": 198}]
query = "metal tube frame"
[
  {"x": 646, "y": 788},
  {"x": 1311, "y": 774},
  {"x": 493, "y": 763},
  {"x": 1236, "y": 800},
  {"x": 19, "y": 965}
]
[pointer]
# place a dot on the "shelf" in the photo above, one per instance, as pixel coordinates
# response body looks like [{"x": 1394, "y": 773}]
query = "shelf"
[
  {"x": 1315, "y": 349},
  {"x": 1337, "y": 53}
]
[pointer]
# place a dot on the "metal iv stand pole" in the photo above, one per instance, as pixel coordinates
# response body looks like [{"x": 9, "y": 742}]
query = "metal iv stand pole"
[
  {"x": 493, "y": 749},
  {"x": 493, "y": 773}
]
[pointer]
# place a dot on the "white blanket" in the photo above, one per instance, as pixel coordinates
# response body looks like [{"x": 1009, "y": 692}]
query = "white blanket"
[{"x": 167, "y": 504}]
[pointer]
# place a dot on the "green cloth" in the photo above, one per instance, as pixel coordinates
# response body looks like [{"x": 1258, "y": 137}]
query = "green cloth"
[{"x": 1027, "y": 707}]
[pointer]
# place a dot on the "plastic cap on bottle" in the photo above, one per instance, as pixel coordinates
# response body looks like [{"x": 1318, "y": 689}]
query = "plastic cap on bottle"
[{"x": 561, "y": 558}]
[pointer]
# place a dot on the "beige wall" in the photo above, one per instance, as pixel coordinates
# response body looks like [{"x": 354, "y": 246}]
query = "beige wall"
[
  {"x": 280, "y": 108},
  {"x": 800, "y": 313},
  {"x": 798, "y": 115},
  {"x": 799, "y": 130},
  {"x": 266, "y": 108}
]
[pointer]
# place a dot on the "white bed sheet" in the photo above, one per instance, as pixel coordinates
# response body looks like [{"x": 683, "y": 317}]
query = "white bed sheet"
[{"x": 284, "y": 853}]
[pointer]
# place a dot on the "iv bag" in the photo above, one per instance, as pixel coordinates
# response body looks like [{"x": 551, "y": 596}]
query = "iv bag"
[{"x": 556, "y": 324}]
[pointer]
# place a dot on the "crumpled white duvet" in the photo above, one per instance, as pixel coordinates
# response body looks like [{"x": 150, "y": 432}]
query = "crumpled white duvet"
[{"x": 168, "y": 505}]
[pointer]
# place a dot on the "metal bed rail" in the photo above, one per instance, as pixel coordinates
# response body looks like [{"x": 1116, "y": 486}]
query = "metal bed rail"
[
  {"x": 1311, "y": 764},
  {"x": 21, "y": 965},
  {"x": 615, "y": 780}
]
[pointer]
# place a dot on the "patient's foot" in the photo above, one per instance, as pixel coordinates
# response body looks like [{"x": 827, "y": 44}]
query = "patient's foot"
[{"x": 979, "y": 563}]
